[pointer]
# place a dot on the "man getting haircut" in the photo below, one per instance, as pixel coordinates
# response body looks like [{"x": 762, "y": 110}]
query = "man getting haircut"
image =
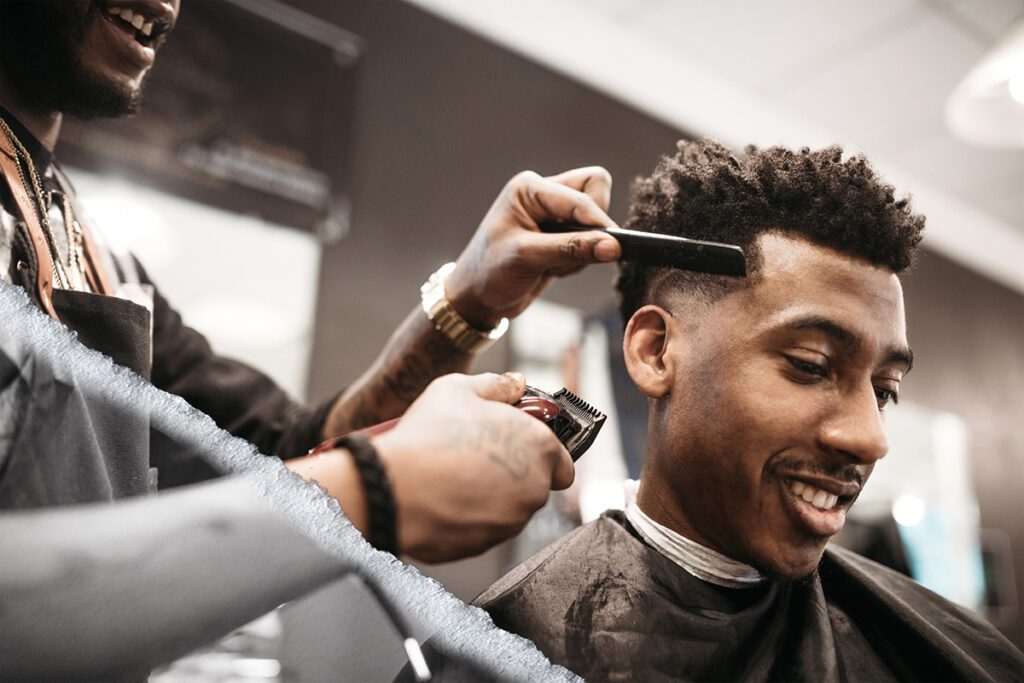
[{"x": 766, "y": 399}]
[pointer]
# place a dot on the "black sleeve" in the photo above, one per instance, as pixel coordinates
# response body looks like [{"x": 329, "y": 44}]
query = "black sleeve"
[{"x": 239, "y": 398}]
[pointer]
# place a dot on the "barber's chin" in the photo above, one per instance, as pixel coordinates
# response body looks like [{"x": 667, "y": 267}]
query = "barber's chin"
[{"x": 106, "y": 96}]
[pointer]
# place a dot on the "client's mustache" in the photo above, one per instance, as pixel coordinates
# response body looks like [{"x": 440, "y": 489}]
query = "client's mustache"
[{"x": 845, "y": 472}]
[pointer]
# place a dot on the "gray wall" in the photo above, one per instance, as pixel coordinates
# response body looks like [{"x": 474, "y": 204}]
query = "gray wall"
[
  {"x": 968, "y": 339},
  {"x": 443, "y": 118}
]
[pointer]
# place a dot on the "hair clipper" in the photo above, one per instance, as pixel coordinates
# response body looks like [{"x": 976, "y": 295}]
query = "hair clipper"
[{"x": 574, "y": 421}]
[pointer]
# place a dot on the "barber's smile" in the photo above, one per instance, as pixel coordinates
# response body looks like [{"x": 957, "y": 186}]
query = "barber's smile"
[
  {"x": 134, "y": 26},
  {"x": 818, "y": 503}
]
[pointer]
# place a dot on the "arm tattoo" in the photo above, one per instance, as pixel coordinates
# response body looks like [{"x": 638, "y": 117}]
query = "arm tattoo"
[
  {"x": 414, "y": 356},
  {"x": 498, "y": 445},
  {"x": 515, "y": 462},
  {"x": 495, "y": 441}
]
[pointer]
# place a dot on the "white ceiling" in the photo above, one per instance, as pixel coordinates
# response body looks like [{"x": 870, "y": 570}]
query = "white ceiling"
[{"x": 873, "y": 75}]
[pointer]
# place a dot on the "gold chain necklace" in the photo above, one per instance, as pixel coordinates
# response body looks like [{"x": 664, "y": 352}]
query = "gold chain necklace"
[{"x": 71, "y": 226}]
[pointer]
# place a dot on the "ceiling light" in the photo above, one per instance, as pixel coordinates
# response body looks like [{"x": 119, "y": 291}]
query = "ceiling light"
[
  {"x": 987, "y": 107},
  {"x": 1016, "y": 86}
]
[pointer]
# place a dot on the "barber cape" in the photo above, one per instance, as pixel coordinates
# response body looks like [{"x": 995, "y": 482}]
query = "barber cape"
[{"x": 605, "y": 604}]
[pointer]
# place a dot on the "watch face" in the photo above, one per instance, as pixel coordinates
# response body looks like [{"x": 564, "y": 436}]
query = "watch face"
[{"x": 437, "y": 278}]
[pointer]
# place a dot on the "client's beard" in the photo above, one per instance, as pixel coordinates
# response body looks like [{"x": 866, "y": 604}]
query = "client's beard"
[{"x": 41, "y": 46}]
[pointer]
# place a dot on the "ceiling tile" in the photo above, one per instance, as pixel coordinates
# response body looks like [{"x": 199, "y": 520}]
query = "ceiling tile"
[
  {"x": 1000, "y": 191},
  {"x": 758, "y": 43},
  {"x": 993, "y": 17},
  {"x": 1011, "y": 210},
  {"x": 621, "y": 11},
  {"x": 905, "y": 79}
]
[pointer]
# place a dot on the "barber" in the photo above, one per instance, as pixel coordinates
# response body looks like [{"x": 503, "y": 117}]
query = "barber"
[
  {"x": 96, "y": 58},
  {"x": 455, "y": 491}
]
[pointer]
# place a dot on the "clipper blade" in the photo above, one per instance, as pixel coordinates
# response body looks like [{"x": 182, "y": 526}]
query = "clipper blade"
[{"x": 575, "y": 422}]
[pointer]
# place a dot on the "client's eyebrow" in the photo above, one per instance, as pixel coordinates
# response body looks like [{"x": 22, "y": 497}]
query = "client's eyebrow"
[{"x": 849, "y": 340}]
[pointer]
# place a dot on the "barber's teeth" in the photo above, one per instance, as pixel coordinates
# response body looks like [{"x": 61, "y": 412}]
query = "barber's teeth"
[
  {"x": 127, "y": 14},
  {"x": 114, "y": 10},
  {"x": 147, "y": 29},
  {"x": 138, "y": 21},
  {"x": 823, "y": 500}
]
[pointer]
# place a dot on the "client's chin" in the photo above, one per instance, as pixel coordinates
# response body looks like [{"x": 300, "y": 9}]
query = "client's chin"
[{"x": 795, "y": 564}]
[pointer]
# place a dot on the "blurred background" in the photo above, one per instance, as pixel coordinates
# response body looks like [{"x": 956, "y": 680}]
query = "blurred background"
[{"x": 301, "y": 167}]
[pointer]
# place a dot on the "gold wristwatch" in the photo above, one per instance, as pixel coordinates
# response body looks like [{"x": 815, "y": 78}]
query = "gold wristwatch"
[{"x": 447, "y": 320}]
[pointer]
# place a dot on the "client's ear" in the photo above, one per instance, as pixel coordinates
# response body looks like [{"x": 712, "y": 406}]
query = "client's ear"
[{"x": 645, "y": 346}]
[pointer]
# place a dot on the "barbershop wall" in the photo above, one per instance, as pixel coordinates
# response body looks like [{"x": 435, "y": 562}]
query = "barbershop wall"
[
  {"x": 967, "y": 335},
  {"x": 442, "y": 118}
]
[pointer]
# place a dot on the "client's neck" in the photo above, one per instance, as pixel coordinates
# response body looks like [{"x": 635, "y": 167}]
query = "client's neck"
[
  {"x": 659, "y": 503},
  {"x": 657, "y": 521}
]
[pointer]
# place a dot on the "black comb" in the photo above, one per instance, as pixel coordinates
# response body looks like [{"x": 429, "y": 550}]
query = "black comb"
[{"x": 654, "y": 249}]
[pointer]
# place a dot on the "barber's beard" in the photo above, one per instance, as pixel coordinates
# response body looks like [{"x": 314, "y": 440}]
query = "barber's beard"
[
  {"x": 42, "y": 45},
  {"x": 95, "y": 97}
]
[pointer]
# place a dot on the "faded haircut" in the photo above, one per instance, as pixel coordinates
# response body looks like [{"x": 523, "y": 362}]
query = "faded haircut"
[{"x": 707, "y": 192}]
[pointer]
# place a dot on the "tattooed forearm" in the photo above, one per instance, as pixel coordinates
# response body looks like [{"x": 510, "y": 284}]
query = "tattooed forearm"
[
  {"x": 489, "y": 439},
  {"x": 515, "y": 462},
  {"x": 414, "y": 356},
  {"x": 494, "y": 441}
]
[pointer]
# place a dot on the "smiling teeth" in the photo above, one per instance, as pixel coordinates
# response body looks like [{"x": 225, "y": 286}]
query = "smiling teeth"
[
  {"x": 137, "y": 21},
  {"x": 823, "y": 500}
]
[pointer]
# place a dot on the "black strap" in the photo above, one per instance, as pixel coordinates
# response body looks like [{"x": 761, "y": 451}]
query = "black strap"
[{"x": 380, "y": 503}]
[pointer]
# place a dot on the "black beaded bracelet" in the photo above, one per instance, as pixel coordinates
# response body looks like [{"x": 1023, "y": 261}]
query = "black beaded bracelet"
[{"x": 380, "y": 503}]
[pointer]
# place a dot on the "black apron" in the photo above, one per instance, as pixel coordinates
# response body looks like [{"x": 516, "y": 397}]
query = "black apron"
[{"x": 61, "y": 443}]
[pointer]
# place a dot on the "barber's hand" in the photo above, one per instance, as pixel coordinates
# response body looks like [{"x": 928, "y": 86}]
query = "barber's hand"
[
  {"x": 508, "y": 262},
  {"x": 469, "y": 470}
]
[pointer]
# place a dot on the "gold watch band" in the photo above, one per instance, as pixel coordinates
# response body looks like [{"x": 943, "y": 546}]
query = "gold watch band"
[{"x": 447, "y": 320}]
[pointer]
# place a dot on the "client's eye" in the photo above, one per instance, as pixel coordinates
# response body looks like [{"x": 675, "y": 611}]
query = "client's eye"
[
  {"x": 884, "y": 396},
  {"x": 813, "y": 370}
]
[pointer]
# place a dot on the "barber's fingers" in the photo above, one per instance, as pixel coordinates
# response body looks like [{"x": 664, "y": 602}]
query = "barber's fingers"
[
  {"x": 546, "y": 200},
  {"x": 593, "y": 181},
  {"x": 566, "y": 252},
  {"x": 564, "y": 470},
  {"x": 505, "y": 388}
]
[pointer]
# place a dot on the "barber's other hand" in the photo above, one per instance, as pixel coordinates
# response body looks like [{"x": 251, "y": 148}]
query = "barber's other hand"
[
  {"x": 468, "y": 469},
  {"x": 508, "y": 261}
]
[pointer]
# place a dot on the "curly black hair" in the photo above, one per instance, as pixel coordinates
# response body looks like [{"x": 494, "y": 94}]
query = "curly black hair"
[{"x": 706, "y": 192}]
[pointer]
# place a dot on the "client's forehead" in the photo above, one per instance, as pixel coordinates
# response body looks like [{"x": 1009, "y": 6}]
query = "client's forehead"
[{"x": 797, "y": 280}]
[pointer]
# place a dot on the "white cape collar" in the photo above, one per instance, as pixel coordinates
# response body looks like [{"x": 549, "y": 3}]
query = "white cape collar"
[{"x": 698, "y": 560}]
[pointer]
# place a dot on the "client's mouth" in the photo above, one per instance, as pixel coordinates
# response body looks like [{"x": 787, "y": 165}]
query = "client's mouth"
[
  {"x": 819, "y": 498},
  {"x": 819, "y": 504}
]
